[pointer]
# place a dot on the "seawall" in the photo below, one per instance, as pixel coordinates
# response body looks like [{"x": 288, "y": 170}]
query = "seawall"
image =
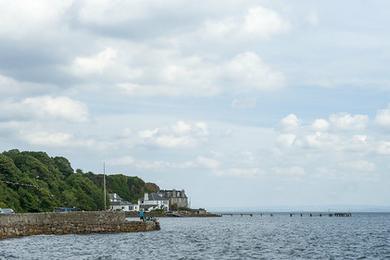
[{"x": 51, "y": 223}]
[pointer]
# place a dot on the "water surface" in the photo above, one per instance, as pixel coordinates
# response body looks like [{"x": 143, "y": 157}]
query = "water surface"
[{"x": 258, "y": 237}]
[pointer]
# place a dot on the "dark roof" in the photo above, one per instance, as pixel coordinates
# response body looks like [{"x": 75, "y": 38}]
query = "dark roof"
[
  {"x": 147, "y": 206},
  {"x": 172, "y": 194},
  {"x": 156, "y": 196}
]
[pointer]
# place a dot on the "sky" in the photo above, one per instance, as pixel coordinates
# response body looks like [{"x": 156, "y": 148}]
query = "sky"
[{"x": 245, "y": 104}]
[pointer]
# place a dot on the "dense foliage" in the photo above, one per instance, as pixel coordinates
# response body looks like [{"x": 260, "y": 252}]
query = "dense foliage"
[{"x": 35, "y": 182}]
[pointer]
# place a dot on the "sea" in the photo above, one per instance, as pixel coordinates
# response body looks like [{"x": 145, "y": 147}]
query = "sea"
[{"x": 280, "y": 236}]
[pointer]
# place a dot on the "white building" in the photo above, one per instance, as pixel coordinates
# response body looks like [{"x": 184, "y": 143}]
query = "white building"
[
  {"x": 153, "y": 201},
  {"x": 118, "y": 204}
]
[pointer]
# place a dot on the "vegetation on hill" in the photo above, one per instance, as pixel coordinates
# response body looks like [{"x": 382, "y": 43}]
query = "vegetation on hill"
[{"x": 35, "y": 182}]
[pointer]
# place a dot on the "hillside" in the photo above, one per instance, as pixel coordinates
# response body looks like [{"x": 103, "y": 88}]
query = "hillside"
[{"x": 36, "y": 182}]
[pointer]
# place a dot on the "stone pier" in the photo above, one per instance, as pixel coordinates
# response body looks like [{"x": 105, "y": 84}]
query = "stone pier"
[{"x": 28, "y": 224}]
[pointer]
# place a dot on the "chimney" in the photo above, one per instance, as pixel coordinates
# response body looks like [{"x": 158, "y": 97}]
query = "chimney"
[{"x": 146, "y": 196}]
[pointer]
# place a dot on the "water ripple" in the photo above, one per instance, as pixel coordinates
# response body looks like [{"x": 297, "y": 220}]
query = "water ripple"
[{"x": 364, "y": 236}]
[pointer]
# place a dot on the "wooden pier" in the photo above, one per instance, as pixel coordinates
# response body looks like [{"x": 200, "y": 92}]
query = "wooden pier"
[{"x": 292, "y": 214}]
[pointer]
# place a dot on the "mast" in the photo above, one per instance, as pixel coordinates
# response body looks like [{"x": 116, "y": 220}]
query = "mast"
[{"x": 104, "y": 186}]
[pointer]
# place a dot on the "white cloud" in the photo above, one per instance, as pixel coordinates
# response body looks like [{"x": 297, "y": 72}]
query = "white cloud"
[
  {"x": 323, "y": 140},
  {"x": 180, "y": 135},
  {"x": 200, "y": 162},
  {"x": 158, "y": 165},
  {"x": 182, "y": 127},
  {"x": 208, "y": 163},
  {"x": 105, "y": 12},
  {"x": 359, "y": 139},
  {"x": 134, "y": 70},
  {"x": 45, "y": 107},
  {"x": 248, "y": 70},
  {"x": 383, "y": 117},
  {"x": 258, "y": 22},
  {"x": 383, "y": 148},
  {"x": 55, "y": 139},
  {"x": 290, "y": 122},
  {"x": 359, "y": 165},
  {"x": 48, "y": 139},
  {"x": 20, "y": 18},
  {"x": 10, "y": 86},
  {"x": 349, "y": 122},
  {"x": 94, "y": 64},
  {"x": 320, "y": 125},
  {"x": 286, "y": 139},
  {"x": 264, "y": 22}
]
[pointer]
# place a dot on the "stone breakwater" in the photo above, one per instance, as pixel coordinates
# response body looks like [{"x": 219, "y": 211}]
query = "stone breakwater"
[{"x": 29, "y": 224}]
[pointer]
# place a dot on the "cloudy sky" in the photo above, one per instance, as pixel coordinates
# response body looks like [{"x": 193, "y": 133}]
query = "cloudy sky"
[{"x": 244, "y": 104}]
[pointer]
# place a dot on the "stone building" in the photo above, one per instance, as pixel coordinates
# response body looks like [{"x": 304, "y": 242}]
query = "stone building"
[{"x": 177, "y": 198}]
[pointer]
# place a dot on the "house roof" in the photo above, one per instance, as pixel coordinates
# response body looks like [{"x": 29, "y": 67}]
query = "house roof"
[
  {"x": 172, "y": 194},
  {"x": 122, "y": 203},
  {"x": 148, "y": 206},
  {"x": 156, "y": 196}
]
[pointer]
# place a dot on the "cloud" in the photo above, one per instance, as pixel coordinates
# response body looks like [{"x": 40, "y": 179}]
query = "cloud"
[
  {"x": 320, "y": 125},
  {"x": 383, "y": 148},
  {"x": 286, "y": 139},
  {"x": 43, "y": 108},
  {"x": 133, "y": 69},
  {"x": 95, "y": 63},
  {"x": 55, "y": 139},
  {"x": 349, "y": 122},
  {"x": 359, "y": 165},
  {"x": 258, "y": 22},
  {"x": 21, "y": 18},
  {"x": 151, "y": 165},
  {"x": 383, "y": 117},
  {"x": 326, "y": 135},
  {"x": 290, "y": 122},
  {"x": 180, "y": 135},
  {"x": 200, "y": 162},
  {"x": 208, "y": 163},
  {"x": 248, "y": 70},
  {"x": 12, "y": 87}
]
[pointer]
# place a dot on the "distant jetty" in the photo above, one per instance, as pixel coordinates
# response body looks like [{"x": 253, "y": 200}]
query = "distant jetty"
[
  {"x": 190, "y": 213},
  {"x": 27, "y": 224},
  {"x": 291, "y": 214}
]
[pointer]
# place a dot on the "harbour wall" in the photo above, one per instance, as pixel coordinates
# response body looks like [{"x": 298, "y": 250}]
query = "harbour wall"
[{"x": 51, "y": 223}]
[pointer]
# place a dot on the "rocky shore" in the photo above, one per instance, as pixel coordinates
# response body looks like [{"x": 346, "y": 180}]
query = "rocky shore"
[{"x": 28, "y": 224}]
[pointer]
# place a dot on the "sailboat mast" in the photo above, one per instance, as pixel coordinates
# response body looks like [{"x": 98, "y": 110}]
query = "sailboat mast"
[{"x": 104, "y": 186}]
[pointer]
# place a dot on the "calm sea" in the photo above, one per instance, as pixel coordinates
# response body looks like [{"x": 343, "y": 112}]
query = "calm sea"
[{"x": 363, "y": 236}]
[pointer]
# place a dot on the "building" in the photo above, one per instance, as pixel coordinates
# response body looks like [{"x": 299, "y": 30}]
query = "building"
[
  {"x": 118, "y": 204},
  {"x": 177, "y": 198},
  {"x": 153, "y": 201}
]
